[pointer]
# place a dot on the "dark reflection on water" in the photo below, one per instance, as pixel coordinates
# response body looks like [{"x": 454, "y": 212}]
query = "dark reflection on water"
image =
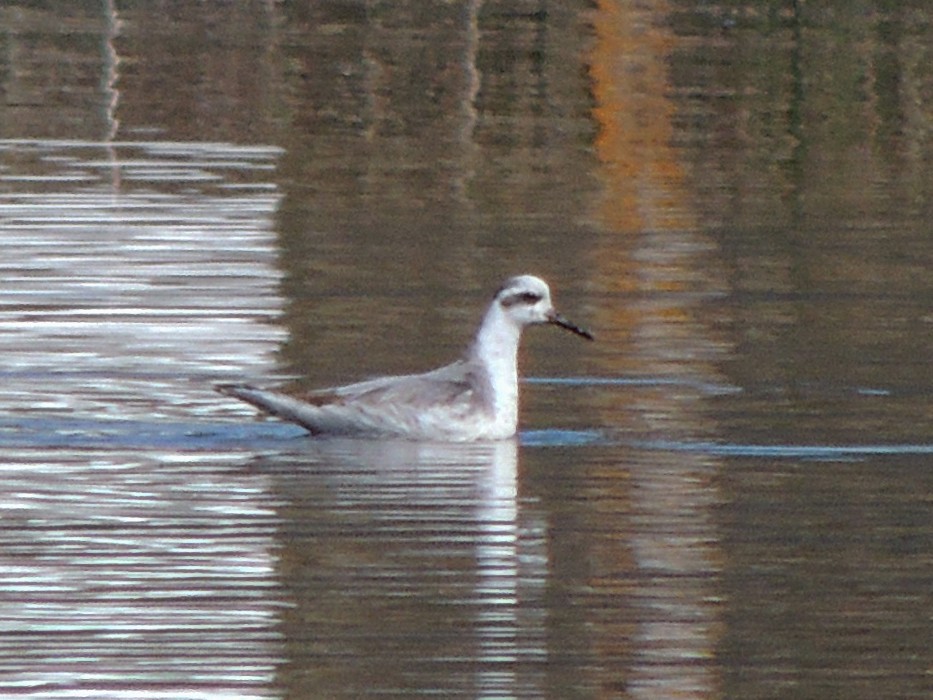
[{"x": 829, "y": 577}]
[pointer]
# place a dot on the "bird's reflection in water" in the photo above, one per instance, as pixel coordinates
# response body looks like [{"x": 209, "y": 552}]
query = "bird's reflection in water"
[{"x": 411, "y": 567}]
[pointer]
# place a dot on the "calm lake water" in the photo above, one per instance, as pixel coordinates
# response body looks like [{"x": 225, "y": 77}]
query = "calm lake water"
[{"x": 728, "y": 495}]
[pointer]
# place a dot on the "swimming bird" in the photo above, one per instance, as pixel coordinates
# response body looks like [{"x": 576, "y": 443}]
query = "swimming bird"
[{"x": 474, "y": 398}]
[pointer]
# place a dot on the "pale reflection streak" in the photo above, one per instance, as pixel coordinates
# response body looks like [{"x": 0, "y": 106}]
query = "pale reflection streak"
[
  {"x": 466, "y": 136},
  {"x": 512, "y": 567},
  {"x": 111, "y": 92},
  {"x": 675, "y": 543}
]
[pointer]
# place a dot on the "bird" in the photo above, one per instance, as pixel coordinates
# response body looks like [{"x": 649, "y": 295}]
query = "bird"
[{"x": 475, "y": 398}]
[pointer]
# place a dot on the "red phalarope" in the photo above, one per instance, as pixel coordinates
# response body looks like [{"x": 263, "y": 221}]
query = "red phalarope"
[{"x": 475, "y": 398}]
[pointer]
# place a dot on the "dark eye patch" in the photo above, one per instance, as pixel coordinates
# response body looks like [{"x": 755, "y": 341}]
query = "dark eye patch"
[{"x": 529, "y": 298}]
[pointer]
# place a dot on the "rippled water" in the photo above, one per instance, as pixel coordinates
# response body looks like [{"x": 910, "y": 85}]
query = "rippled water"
[
  {"x": 117, "y": 287},
  {"x": 126, "y": 573},
  {"x": 137, "y": 558},
  {"x": 726, "y": 496}
]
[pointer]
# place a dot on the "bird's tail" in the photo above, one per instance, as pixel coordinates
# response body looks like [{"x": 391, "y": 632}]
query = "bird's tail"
[{"x": 272, "y": 402}]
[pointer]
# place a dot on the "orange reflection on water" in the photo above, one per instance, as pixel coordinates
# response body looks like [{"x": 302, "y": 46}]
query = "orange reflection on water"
[
  {"x": 668, "y": 563},
  {"x": 641, "y": 172}
]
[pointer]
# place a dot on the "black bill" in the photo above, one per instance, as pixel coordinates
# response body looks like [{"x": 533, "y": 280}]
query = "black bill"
[{"x": 559, "y": 320}]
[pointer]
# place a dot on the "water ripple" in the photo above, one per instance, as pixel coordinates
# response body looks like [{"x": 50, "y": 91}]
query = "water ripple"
[
  {"x": 815, "y": 452},
  {"x": 137, "y": 558}
]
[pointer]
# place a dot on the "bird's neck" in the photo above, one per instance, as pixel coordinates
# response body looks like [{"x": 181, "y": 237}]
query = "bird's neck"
[{"x": 495, "y": 348}]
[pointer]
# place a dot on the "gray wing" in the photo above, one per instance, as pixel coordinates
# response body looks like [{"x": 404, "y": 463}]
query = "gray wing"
[{"x": 455, "y": 384}]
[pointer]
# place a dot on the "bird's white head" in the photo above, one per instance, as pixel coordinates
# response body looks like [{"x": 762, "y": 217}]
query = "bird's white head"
[{"x": 526, "y": 300}]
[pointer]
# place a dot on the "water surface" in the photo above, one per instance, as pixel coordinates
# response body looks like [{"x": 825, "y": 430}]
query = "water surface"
[{"x": 727, "y": 495}]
